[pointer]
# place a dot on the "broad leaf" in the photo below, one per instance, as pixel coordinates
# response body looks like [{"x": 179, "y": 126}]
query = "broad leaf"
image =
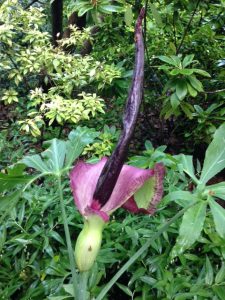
[
  {"x": 195, "y": 83},
  {"x": 54, "y": 156},
  {"x": 190, "y": 229},
  {"x": 215, "y": 156},
  {"x": 168, "y": 60},
  {"x": 201, "y": 72},
  {"x": 78, "y": 139},
  {"x": 217, "y": 190},
  {"x": 61, "y": 154},
  {"x": 181, "y": 89},
  {"x": 187, "y": 60},
  {"x": 219, "y": 217}
]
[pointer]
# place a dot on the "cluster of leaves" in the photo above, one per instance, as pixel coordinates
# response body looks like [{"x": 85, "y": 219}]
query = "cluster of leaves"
[
  {"x": 105, "y": 143},
  {"x": 29, "y": 60}
]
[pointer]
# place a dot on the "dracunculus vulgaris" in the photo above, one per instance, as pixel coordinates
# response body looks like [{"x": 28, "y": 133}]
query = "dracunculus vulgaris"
[{"x": 100, "y": 188}]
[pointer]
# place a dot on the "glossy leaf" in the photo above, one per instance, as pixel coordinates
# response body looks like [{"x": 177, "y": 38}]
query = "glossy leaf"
[
  {"x": 218, "y": 213},
  {"x": 181, "y": 89},
  {"x": 187, "y": 60},
  {"x": 216, "y": 190},
  {"x": 190, "y": 229},
  {"x": 186, "y": 162},
  {"x": 215, "y": 156}
]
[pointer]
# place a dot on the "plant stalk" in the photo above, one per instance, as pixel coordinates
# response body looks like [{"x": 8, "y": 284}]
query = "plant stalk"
[{"x": 68, "y": 239}]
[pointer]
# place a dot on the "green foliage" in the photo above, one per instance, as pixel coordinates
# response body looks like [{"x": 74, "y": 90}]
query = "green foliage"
[
  {"x": 104, "y": 144},
  {"x": 29, "y": 60},
  {"x": 96, "y": 8},
  {"x": 44, "y": 86},
  {"x": 183, "y": 84}
]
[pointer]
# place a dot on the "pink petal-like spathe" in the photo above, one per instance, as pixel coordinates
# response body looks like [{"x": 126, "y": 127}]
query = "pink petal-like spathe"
[
  {"x": 83, "y": 181},
  {"x": 129, "y": 181},
  {"x": 131, "y": 205},
  {"x": 84, "y": 178}
]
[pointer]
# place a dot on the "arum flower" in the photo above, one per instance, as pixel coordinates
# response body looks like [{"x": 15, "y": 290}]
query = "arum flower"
[
  {"x": 137, "y": 190},
  {"x": 99, "y": 189}
]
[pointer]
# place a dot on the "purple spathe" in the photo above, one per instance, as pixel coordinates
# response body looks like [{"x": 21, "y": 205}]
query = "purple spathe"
[{"x": 84, "y": 178}]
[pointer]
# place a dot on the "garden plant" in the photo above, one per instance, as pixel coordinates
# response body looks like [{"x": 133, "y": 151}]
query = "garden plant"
[{"x": 112, "y": 150}]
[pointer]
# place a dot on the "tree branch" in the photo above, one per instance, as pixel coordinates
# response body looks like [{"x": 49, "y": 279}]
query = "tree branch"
[
  {"x": 30, "y": 4},
  {"x": 187, "y": 27}
]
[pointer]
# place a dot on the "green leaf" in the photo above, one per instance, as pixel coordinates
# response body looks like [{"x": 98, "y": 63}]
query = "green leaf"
[
  {"x": 218, "y": 216},
  {"x": 183, "y": 198},
  {"x": 191, "y": 90},
  {"x": 69, "y": 289},
  {"x": 61, "y": 154},
  {"x": 201, "y": 72},
  {"x": 182, "y": 72},
  {"x": 9, "y": 200},
  {"x": 209, "y": 272},
  {"x": 125, "y": 289},
  {"x": 190, "y": 229},
  {"x": 109, "y": 8},
  {"x": 195, "y": 83},
  {"x": 215, "y": 156},
  {"x": 220, "y": 276},
  {"x": 216, "y": 190},
  {"x": 219, "y": 291},
  {"x": 78, "y": 139},
  {"x": 8, "y": 182},
  {"x": 181, "y": 89},
  {"x": 174, "y": 100},
  {"x": 128, "y": 16},
  {"x": 54, "y": 156},
  {"x": 156, "y": 14},
  {"x": 186, "y": 162},
  {"x": 35, "y": 162},
  {"x": 187, "y": 60},
  {"x": 168, "y": 60}
]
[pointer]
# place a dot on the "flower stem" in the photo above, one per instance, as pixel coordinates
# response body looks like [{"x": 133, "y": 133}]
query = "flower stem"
[
  {"x": 83, "y": 280},
  {"x": 68, "y": 240},
  {"x": 108, "y": 286}
]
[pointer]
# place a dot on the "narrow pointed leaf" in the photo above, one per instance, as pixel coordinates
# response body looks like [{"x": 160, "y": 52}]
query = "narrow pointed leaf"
[
  {"x": 187, "y": 165},
  {"x": 219, "y": 217}
]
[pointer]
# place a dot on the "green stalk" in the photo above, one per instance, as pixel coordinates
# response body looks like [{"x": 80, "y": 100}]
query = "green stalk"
[
  {"x": 83, "y": 280},
  {"x": 68, "y": 240},
  {"x": 140, "y": 252}
]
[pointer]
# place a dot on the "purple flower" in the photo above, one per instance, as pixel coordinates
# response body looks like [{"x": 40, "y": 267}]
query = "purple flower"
[{"x": 84, "y": 178}]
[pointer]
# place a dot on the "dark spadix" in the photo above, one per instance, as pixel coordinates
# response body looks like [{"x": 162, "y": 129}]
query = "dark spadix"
[{"x": 112, "y": 168}]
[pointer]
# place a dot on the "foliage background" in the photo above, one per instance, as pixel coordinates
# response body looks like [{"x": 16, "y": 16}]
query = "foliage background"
[{"x": 49, "y": 87}]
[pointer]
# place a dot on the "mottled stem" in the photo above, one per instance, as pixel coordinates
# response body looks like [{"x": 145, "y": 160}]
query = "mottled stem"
[{"x": 113, "y": 166}]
